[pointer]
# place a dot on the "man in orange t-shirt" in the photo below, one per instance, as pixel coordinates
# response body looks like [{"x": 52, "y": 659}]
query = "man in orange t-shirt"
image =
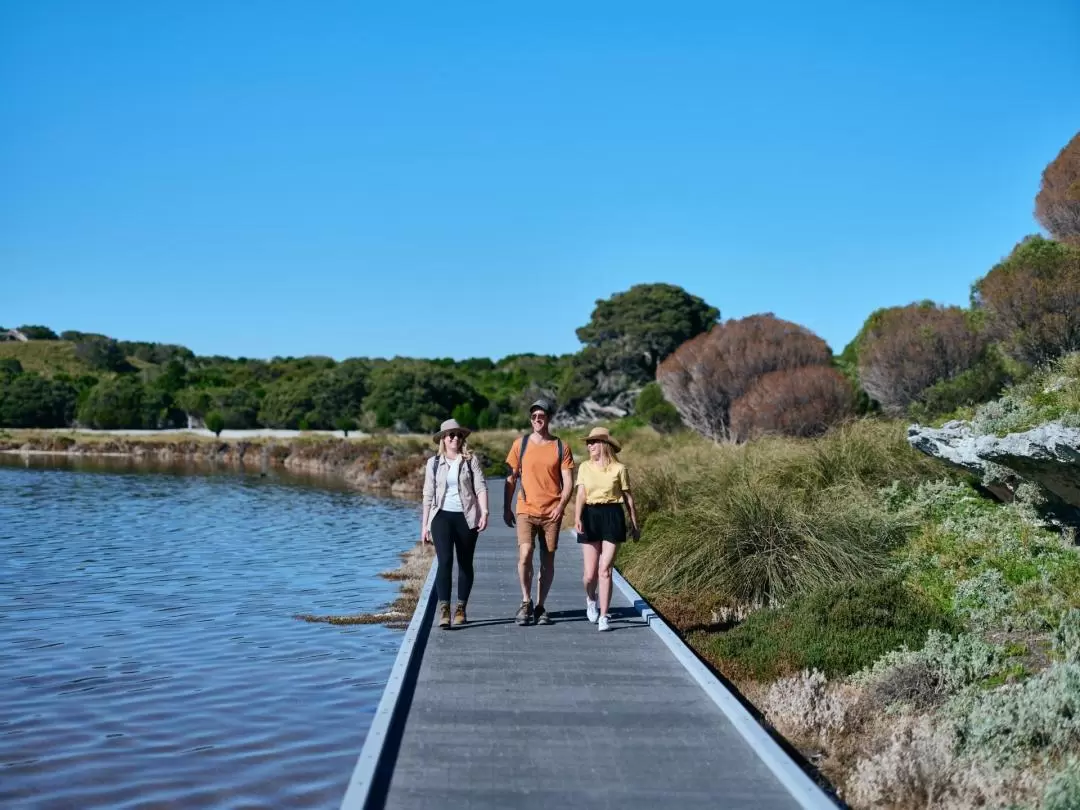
[{"x": 547, "y": 482}]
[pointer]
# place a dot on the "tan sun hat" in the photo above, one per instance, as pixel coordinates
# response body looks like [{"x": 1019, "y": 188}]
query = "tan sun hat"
[
  {"x": 446, "y": 427},
  {"x": 600, "y": 434}
]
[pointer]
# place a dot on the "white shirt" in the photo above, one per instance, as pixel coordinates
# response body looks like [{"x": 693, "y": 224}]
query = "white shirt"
[{"x": 452, "y": 501}]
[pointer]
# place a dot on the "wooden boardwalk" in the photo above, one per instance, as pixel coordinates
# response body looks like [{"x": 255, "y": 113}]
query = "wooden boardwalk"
[{"x": 499, "y": 716}]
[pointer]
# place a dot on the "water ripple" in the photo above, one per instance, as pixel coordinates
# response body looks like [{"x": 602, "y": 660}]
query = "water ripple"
[{"x": 148, "y": 654}]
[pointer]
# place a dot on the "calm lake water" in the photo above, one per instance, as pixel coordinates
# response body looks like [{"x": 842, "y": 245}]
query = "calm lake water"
[{"x": 148, "y": 652}]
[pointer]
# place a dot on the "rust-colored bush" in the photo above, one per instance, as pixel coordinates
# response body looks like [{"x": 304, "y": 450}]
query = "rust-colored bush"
[
  {"x": 1032, "y": 300},
  {"x": 905, "y": 350},
  {"x": 1057, "y": 205},
  {"x": 803, "y": 401},
  {"x": 706, "y": 374}
]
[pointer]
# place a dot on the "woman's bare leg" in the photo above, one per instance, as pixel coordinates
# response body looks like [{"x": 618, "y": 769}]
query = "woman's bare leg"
[
  {"x": 590, "y": 555},
  {"x": 607, "y": 561}
]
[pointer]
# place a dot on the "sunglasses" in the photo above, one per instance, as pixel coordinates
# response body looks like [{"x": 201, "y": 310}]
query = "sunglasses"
[
  {"x": 537, "y": 415},
  {"x": 455, "y": 435}
]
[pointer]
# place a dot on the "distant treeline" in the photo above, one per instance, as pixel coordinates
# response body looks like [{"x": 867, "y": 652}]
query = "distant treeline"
[{"x": 96, "y": 381}]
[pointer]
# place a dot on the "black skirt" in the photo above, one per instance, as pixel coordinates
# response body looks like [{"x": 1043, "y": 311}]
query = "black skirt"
[{"x": 603, "y": 521}]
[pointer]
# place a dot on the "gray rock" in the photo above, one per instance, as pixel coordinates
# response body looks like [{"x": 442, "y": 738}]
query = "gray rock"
[
  {"x": 587, "y": 412},
  {"x": 1047, "y": 456}
]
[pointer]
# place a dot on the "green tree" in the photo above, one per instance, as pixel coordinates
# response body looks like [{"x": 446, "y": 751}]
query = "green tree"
[
  {"x": 634, "y": 331},
  {"x": 215, "y": 423},
  {"x": 102, "y": 354},
  {"x": 336, "y": 393},
  {"x": 29, "y": 400},
  {"x": 286, "y": 403},
  {"x": 38, "y": 332},
  {"x": 657, "y": 411},
  {"x": 9, "y": 368},
  {"x": 466, "y": 415},
  {"x": 115, "y": 403},
  {"x": 416, "y": 394}
]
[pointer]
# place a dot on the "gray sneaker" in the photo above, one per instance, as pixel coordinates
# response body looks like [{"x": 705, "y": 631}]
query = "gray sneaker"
[
  {"x": 540, "y": 615},
  {"x": 525, "y": 613}
]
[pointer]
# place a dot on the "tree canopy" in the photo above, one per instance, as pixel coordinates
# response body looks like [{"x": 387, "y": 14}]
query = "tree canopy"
[
  {"x": 1032, "y": 300},
  {"x": 903, "y": 351},
  {"x": 705, "y": 376},
  {"x": 633, "y": 331},
  {"x": 1057, "y": 205}
]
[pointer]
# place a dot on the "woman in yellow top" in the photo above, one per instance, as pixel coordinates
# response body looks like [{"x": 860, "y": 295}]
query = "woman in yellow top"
[{"x": 602, "y": 488}]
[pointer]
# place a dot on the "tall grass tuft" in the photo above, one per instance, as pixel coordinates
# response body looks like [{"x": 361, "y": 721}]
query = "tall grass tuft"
[{"x": 762, "y": 523}]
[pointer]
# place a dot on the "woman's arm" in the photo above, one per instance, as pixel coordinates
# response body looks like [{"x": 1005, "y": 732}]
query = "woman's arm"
[
  {"x": 579, "y": 507},
  {"x": 429, "y": 491},
  {"x": 633, "y": 514},
  {"x": 481, "y": 492}
]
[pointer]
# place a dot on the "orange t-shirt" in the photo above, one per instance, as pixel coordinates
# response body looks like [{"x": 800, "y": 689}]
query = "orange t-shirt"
[{"x": 541, "y": 475}]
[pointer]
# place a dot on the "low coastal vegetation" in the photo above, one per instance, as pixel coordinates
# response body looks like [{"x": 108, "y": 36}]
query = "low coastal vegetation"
[{"x": 919, "y": 641}]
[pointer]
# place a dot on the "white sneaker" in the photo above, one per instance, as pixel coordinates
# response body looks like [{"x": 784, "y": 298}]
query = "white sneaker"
[
  {"x": 591, "y": 610},
  {"x": 602, "y": 625}
]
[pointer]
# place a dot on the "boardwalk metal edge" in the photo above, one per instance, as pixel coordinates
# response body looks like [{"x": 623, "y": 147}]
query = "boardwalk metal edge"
[
  {"x": 804, "y": 790},
  {"x": 371, "y": 765}
]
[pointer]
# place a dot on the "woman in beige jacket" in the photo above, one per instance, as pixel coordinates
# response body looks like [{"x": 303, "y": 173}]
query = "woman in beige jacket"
[{"x": 455, "y": 512}]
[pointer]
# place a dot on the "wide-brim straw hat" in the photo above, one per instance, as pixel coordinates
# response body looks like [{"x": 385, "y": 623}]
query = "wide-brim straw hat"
[
  {"x": 600, "y": 434},
  {"x": 446, "y": 427}
]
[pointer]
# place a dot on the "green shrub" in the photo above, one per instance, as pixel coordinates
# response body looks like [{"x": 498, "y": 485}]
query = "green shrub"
[
  {"x": 989, "y": 562},
  {"x": 651, "y": 407},
  {"x": 838, "y": 630},
  {"x": 1046, "y": 396},
  {"x": 345, "y": 424},
  {"x": 1063, "y": 792},
  {"x": 215, "y": 423},
  {"x": 978, "y": 384},
  {"x": 1041, "y": 714}
]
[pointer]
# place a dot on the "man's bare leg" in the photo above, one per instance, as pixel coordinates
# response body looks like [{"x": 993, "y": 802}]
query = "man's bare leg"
[
  {"x": 547, "y": 574},
  {"x": 525, "y": 570}
]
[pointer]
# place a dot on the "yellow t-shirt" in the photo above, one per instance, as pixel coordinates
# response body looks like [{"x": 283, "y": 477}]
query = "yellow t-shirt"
[{"x": 605, "y": 485}]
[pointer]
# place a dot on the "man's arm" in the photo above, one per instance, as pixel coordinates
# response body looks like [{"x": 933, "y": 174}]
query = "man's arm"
[
  {"x": 512, "y": 459},
  {"x": 566, "y": 492},
  {"x": 508, "y": 498}
]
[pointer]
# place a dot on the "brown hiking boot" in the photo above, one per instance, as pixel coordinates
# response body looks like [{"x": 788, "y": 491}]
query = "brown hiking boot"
[
  {"x": 444, "y": 614},
  {"x": 459, "y": 614},
  {"x": 525, "y": 613}
]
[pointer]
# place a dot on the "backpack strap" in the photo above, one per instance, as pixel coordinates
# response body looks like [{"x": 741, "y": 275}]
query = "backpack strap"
[
  {"x": 558, "y": 461},
  {"x": 521, "y": 457}
]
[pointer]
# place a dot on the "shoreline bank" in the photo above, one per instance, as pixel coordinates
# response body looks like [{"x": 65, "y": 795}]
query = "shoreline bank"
[{"x": 389, "y": 465}]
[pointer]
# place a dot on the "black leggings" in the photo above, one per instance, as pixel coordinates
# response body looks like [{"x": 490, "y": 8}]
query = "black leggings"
[{"x": 449, "y": 531}]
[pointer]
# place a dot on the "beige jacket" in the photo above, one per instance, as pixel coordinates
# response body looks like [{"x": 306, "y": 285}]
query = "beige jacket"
[{"x": 435, "y": 488}]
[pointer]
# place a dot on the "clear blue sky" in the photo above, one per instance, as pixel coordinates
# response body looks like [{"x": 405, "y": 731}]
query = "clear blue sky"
[{"x": 361, "y": 178}]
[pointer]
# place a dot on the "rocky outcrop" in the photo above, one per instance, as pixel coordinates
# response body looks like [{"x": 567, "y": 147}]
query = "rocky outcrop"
[
  {"x": 590, "y": 411},
  {"x": 1047, "y": 456}
]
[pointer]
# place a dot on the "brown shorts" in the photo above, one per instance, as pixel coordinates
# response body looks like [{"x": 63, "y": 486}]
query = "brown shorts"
[{"x": 530, "y": 527}]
